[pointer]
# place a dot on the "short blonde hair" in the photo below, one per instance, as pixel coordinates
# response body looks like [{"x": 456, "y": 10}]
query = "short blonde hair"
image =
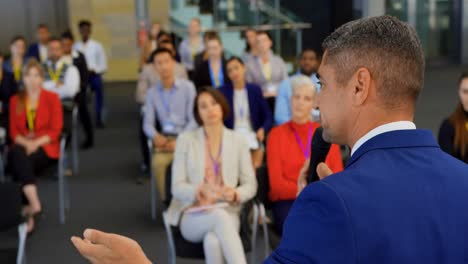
[{"x": 302, "y": 80}]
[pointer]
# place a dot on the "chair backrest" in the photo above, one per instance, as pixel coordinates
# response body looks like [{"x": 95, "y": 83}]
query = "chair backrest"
[{"x": 10, "y": 206}]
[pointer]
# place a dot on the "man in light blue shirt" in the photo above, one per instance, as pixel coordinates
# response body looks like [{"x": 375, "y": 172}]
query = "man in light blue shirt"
[
  {"x": 308, "y": 65},
  {"x": 168, "y": 111}
]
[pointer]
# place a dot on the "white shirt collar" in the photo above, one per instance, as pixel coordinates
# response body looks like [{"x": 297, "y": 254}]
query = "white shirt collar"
[{"x": 400, "y": 125}]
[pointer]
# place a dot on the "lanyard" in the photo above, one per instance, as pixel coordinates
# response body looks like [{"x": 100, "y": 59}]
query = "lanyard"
[
  {"x": 240, "y": 104},
  {"x": 214, "y": 162},
  {"x": 166, "y": 99},
  {"x": 216, "y": 82},
  {"x": 17, "y": 73},
  {"x": 30, "y": 116},
  {"x": 55, "y": 76},
  {"x": 305, "y": 150}
]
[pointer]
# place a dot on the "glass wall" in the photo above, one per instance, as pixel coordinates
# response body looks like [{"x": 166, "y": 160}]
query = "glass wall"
[{"x": 436, "y": 22}]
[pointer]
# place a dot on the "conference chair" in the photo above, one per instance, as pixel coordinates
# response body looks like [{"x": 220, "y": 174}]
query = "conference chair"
[
  {"x": 153, "y": 191},
  {"x": 179, "y": 247}
]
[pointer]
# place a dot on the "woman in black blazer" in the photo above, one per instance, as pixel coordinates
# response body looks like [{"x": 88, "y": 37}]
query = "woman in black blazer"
[{"x": 213, "y": 71}]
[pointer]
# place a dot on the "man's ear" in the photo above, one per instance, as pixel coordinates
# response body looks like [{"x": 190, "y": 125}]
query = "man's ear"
[{"x": 361, "y": 85}]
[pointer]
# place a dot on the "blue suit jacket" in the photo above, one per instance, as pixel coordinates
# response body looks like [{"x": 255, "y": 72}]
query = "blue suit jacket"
[
  {"x": 400, "y": 199},
  {"x": 33, "y": 52},
  {"x": 260, "y": 113}
]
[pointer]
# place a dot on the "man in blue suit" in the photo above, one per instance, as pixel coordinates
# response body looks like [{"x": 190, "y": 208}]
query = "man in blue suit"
[
  {"x": 400, "y": 199},
  {"x": 38, "y": 50}
]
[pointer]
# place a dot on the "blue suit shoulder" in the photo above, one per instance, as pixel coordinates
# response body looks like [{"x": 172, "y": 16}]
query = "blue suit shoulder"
[{"x": 318, "y": 229}]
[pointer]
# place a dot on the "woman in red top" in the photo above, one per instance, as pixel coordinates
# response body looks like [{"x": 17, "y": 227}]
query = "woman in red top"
[
  {"x": 36, "y": 121},
  {"x": 288, "y": 147}
]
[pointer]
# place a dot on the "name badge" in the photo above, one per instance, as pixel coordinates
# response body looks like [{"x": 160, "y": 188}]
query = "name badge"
[
  {"x": 168, "y": 127},
  {"x": 271, "y": 88}
]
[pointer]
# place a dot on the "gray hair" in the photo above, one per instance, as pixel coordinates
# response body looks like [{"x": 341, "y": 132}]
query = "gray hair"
[
  {"x": 389, "y": 48},
  {"x": 302, "y": 80}
]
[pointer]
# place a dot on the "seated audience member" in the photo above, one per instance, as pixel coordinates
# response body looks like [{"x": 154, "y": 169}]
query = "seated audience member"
[
  {"x": 203, "y": 55},
  {"x": 169, "y": 104},
  {"x": 96, "y": 60},
  {"x": 149, "y": 75},
  {"x": 250, "y": 113},
  {"x": 60, "y": 76},
  {"x": 453, "y": 133},
  {"x": 309, "y": 63},
  {"x": 267, "y": 70},
  {"x": 288, "y": 148},
  {"x": 251, "y": 50},
  {"x": 17, "y": 58},
  {"x": 79, "y": 61},
  {"x": 8, "y": 88},
  {"x": 36, "y": 121},
  {"x": 191, "y": 45},
  {"x": 211, "y": 165},
  {"x": 151, "y": 44},
  {"x": 213, "y": 71},
  {"x": 39, "y": 50}
]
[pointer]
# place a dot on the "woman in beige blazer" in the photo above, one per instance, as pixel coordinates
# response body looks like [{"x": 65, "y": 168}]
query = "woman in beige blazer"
[{"x": 212, "y": 166}]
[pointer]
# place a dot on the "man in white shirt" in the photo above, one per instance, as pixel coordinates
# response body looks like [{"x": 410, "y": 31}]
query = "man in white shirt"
[
  {"x": 97, "y": 66},
  {"x": 61, "y": 76}
]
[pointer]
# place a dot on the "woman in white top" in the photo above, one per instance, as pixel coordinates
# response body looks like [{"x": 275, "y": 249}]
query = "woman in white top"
[{"x": 212, "y": 166}]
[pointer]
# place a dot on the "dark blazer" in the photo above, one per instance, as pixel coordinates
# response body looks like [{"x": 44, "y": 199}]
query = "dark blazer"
[
  {"x": 400, "y": 199},
  {"x": 80, "y": 63},
  {"x": 202, "y": 75},
  {"x": 33, "y": 52},
  {"x": 260, "y": 113},
  {"x": 8, "y": 88}
]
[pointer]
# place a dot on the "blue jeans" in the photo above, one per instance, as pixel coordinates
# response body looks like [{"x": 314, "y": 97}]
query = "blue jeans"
[
  {"x": 95, "y": 81},
  {"x": 280, "y": 212}
]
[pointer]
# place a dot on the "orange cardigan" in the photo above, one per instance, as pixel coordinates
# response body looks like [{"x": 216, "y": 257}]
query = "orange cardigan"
[
  {"x": 285, "y": 159},
  {"x": 49, "y": 121}
]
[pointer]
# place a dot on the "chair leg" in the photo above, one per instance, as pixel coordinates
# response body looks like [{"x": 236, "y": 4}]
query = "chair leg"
[
  {"x": 153, "y": 197},
  {"x": 61, "y": 182},
  {"x": 170, "y": 241},
  {"x": 265, "y": 230},
  {"x": 153, "y": 192},
  {"x": 22, "y": 233},
  {"x": 75, "y": 138},
  {"x": 253, "y": 254}
]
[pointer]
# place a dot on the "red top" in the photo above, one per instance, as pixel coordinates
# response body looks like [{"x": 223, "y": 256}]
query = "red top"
[
  {"x": 285, "y": 158},
  {"x": 48, "y": 121}
]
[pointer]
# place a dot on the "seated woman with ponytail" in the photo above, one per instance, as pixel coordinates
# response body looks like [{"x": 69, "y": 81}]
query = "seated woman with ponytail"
[{"x": 36, "y": 121}]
